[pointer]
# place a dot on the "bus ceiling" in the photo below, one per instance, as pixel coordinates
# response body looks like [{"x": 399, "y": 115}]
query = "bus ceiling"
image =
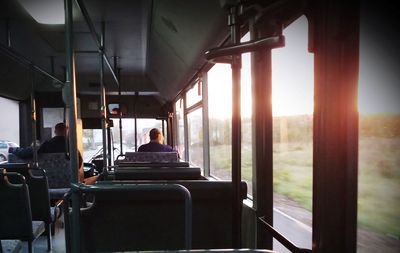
[{"x": 153, "y": 46}]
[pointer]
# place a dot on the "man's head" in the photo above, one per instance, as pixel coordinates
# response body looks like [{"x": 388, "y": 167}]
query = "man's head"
[
  {"x": 156, "y": 135},
  {"x": 61, "y": 129}
]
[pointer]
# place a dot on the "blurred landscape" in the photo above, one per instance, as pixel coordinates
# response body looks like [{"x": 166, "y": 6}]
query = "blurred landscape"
[{"x": 379, "y": 164}]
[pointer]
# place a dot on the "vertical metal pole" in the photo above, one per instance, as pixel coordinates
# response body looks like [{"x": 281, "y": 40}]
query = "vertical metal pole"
[
  {"x": 170, "y": 125},
  {"x": 236, "y": 129},
  {"x": 162, "y": 127},
  {"x": 185, "y": 128},
  {"x": 135, "y": 111},
  {"x": 262, "y": 136},
  {"x": 103, "y": 100},
  {"x": 120, "y": 108},
  {"x": 70, "y": 101},
  {"x": 34, "y": 118},
  {"x": 206, "y": 132}
]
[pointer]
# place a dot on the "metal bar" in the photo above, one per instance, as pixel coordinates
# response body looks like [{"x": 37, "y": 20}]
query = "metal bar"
[
  {"x": 206, "y": 132},
  {"x": 170, "y": 134},
  {"x": 283, "y": 240},
  {"x": 95, "y": 36},
  {"x": 118, "y": 70},
  {"x": 135, "y": 115},
  {"x": 194, "y": 107},
  {"x": 147, "y": 187},
  {"x": 262, "y": 135},
  {"x": 103, "y": 101},
  {"x": 245, "y": 47},
  {"x": 89, "y": 22},
  {"x": 236, "y": 131},
  {"x": 25, "y": 62},
  {"x": 110, "y": 68},
  {"x": 162, "y": 127},
  {"x": 70, "y": 101},
  {"x": 34, "y": 117},
  {"x": 185, "y": 129}
]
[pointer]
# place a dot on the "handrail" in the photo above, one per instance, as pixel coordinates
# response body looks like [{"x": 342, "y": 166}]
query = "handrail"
[
  {"x": 96, "y": 37},
  {"x": 223, "y": 54},
  {"x": 81, "y": 188},
  {"x": 283, "y": 240},
  {"x": 27, "y": 63}
]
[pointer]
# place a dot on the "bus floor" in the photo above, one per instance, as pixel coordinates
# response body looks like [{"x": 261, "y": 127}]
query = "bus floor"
[{"x": 58, "y": 241}]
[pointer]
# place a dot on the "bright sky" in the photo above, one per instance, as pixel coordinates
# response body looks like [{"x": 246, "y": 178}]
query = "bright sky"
[
  {"x": 293, "y": 81},
  {"x": 292, "y": 77}
]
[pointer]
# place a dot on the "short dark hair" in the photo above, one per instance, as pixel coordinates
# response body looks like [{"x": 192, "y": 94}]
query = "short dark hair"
[
  {"x": 60, "y": 128},
  {"x": 154, "y": 133}
]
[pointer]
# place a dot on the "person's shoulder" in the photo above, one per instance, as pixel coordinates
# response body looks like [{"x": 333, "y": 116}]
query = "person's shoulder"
[
  {"x": 142, "y": 147},
  {"x": 168, "y": 148}
]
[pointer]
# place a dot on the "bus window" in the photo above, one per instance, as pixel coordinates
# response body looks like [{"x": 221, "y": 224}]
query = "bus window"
[
  {"x": 9, "y": 126},
  {"x": 220, "y": 120},
  {"x": 92, "y": 143},
  {"x": 292, "y": 108},
  {"x": 50, "y": 117},
  {"x": 195, "y": 140},
  {"x": 180, "y": 132},
  {"x": 143, "y": 129},
  {"x": 379, "y": 135},
  {"x": 128, "y": 135},
  {"x": 193, "y": 95}
]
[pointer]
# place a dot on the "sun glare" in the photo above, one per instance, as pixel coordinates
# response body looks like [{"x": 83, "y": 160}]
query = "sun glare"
[{"x": 292, "y": 79}]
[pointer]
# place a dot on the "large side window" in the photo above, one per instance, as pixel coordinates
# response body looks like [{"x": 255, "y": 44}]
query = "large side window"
[
  {"x": 379, "y": 134},
  {"x": 220, "y": 120},
  {"x": 292, "y": 104}
]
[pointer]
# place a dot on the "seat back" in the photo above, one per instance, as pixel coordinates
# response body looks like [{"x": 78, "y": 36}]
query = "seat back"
[
  {"x": 121, "y": 222},
  {"x": 38, "y": 190},
  {"x": 125, "y": 220},
  {"x": 15, "y": 211},
  {"x": 157, "y": 173},
  {"x": 163, "y": 157},
  {"x": 57, "y": 168}
]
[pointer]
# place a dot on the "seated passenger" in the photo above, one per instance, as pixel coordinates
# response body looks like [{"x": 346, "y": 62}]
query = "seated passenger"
[
  {"x": 58, "y": 144},
  {"x": 156, "y": 143}
]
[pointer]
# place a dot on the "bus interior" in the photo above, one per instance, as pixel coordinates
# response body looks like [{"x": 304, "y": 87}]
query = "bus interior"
[{"x": 283, "y": 117}]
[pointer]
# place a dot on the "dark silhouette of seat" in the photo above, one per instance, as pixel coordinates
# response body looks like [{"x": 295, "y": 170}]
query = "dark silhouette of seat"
[
  {"x": 125, "y": 221},
  {"x": 15, "y": 212},
  {"x": 39, "y": 196}
]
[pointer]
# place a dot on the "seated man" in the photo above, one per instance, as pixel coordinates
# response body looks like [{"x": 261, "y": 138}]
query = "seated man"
[
  {"x": 58, "y": 144},
  {"x": 156, "y": 143}
]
